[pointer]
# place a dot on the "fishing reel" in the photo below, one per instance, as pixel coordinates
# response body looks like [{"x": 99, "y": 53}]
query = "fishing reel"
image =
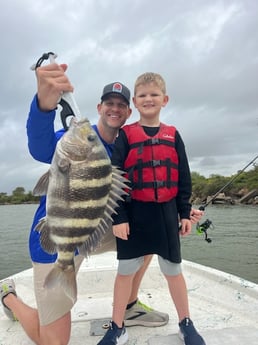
[{"x": 202, "y": 228}]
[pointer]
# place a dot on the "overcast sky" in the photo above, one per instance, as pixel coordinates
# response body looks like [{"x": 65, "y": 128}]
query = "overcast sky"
[{"x": 206, "y": 50}]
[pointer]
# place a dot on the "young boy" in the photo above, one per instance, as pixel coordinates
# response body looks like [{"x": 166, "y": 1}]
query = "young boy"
[{"x": 154, "y": 157}]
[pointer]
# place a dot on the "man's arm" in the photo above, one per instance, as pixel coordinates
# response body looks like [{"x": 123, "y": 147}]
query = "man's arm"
[
  {"x": 42, "y": 139},
  {"x": 40, "y": 132}
]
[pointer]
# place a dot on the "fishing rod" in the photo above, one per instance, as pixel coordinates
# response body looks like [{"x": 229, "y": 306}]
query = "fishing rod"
[{"x": 202, "y": 228}]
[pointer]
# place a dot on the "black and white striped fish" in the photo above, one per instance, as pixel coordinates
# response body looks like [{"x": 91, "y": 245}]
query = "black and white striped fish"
[{"x": 82, "y": 189}]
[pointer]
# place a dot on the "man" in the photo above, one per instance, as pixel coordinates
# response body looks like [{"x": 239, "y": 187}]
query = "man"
[{"x": 51, "y": 323}]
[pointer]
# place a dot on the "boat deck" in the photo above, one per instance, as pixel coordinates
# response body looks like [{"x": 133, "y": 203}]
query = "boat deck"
[{"x": 223, "y": 307}]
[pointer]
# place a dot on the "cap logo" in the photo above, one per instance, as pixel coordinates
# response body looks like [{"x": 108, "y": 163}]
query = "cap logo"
[{"x": 117, "y": 87}]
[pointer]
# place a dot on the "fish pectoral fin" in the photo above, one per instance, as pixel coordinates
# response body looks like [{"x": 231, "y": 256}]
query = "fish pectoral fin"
[
  {"x": 45, "y": 241},
  {"x": 63, "y": 164},
  {"x": 42, "y": 185},
  {"x": 65, "y": 278}
]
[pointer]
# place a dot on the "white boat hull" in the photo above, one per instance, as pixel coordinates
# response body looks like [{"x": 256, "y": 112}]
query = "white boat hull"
[{"x": 223, "y": 307}]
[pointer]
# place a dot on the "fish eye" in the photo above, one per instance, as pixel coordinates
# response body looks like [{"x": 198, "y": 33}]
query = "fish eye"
[{"x": 91, "y": 137}]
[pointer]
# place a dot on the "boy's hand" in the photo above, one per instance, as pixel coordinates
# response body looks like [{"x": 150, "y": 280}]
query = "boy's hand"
[
  {"x": 186, "y": 227},
  {"x": 121, "y": 230},
  {"x": 196, "y": 215}
]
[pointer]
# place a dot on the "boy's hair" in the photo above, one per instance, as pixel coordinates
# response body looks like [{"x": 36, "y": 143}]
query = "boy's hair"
[{"x": 150, "y": 77}]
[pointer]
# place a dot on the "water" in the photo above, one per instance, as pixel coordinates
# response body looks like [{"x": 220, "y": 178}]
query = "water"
[
  {"x": 15, "y": 223},
  {"x": 234, "y": 246}
]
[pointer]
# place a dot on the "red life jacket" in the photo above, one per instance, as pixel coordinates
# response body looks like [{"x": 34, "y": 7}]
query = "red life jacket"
[{"x": 152, "y": 163}]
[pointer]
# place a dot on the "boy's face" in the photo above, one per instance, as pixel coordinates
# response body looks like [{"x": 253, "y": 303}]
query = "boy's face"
[
  {"x": 114, "y": 111},
  {"x": 149, "y": 99}
]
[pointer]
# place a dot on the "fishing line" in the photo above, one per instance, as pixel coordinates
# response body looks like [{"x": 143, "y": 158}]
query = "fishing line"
[{"x": 207, "y": 224}]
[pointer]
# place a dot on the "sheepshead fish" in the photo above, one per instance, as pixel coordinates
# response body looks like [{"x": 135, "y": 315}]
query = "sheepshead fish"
[{"x": 82, "y": 189}]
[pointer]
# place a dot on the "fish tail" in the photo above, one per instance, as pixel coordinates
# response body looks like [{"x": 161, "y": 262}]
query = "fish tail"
[{"x": 65, "y": 278}]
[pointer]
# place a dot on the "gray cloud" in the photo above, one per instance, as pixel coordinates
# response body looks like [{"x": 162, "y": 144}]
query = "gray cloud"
[{"x": 206, "y": 50}]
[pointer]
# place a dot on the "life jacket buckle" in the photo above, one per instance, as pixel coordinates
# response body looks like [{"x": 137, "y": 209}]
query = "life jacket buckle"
[
  {"x": 155, "y": 141},
  {"x": 158, "y": 184},
  {"x": 155, "y": 163}
]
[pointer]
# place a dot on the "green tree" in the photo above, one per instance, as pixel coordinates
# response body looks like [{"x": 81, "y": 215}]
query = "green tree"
[
  {"x": 18, "y": 195},
  {"x": 19, "y": 191}
]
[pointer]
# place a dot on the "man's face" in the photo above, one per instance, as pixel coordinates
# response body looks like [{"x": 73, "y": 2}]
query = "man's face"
[{"x": 114, "y": 111}]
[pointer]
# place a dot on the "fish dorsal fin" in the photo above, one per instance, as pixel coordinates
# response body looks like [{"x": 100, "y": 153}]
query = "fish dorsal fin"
[
  {"x": 42, "y": 185},
  {"x": 118, "y": 186}
]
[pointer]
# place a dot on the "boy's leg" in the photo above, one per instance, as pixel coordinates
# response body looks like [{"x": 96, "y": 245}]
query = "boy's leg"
[
  {"x": 122, "y": 290},
  {"x": 178, "y": 292},
  {"x": 138, "y": 279},
  {"x": 116, "y": 334},
  {"x": 177, "y": 286},
  {"x": 137, "y": 313}
]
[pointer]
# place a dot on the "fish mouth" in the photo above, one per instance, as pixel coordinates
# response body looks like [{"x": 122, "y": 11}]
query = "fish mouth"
[
  {"x": 79, "y": 122},
  {"x": 81, "y": 129}
]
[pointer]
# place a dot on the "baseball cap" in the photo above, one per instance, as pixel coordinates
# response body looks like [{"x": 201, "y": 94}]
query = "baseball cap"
[{"x": 117, "y": 88}]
